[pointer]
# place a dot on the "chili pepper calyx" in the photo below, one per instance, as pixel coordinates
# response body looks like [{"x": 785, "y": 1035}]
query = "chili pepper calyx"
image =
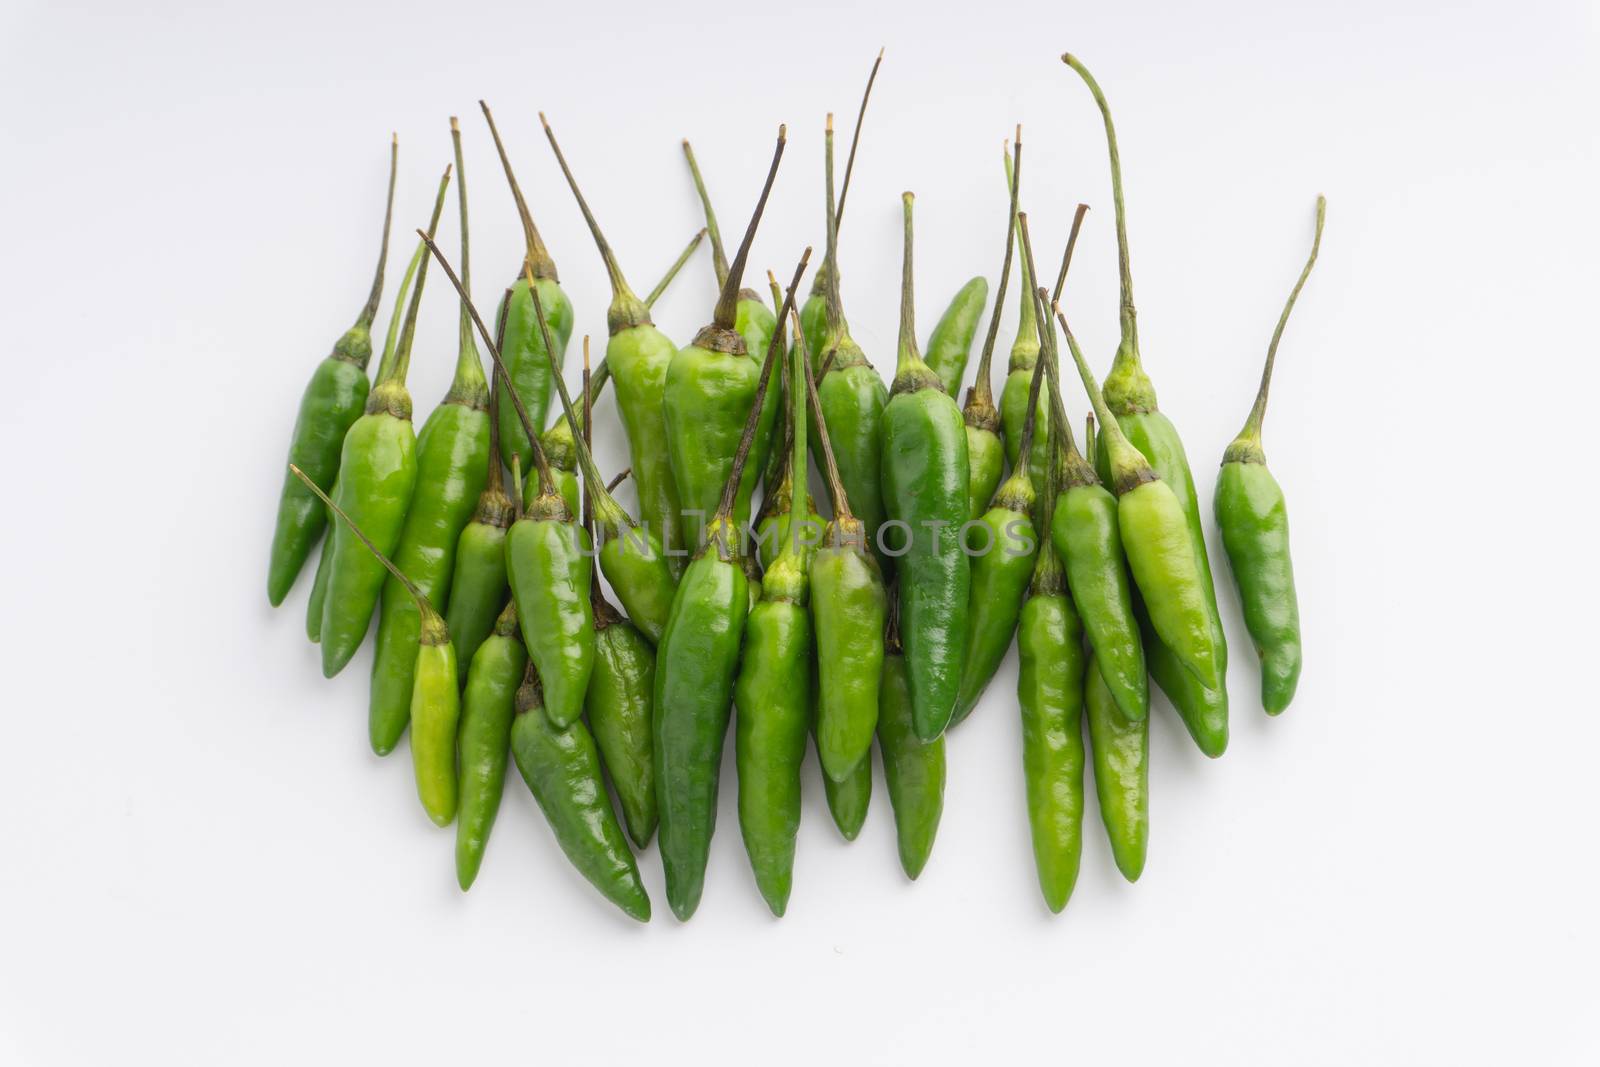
[
  {"x": 354, "y": 347},
  {"x": 391, "y": 398},
  {"x": 717, "y": 338}
]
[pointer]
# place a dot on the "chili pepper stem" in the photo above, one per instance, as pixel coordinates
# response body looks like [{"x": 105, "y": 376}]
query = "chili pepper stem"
[
  {"x": 719, "y": 257},
  {"x": 469, "y": 386},
  {"x": 979, "y": 408},
  {"x": 538, "y": 256},
  {"x": 841, "y": 503},
  {"x": 369, "y": 311},
  {"x": 855, "y": 138},
  {"x": 677, "y": 265},
  {"x": 389, "y": 392},
  {"x": 723, "y": 319}
]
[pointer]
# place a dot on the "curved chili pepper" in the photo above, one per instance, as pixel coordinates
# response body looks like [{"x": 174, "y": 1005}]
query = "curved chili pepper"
[
  {"x": 710, "y": 385},
  {"x": 435, "y": 698},
  {"x": 377, "y": 475},
  {"x": 487, "y": 708},
  {"x": 695, "y": 665},
  {"x": 527, "y": 360},
  {"x": 1255, "y": 531},
  {"x": 985, "y": 453},
  {"x": 332, "y": 401},
  {"x": 1121, "y": 751},
  {"x": 847, "y": 800},
  {"x": 452, "y": 467},
  {"x": 925, "y": 486},
  {"x": 319, "y": 585},
  {"x": 772, "y": 695},
  {"x": 950, "y": 343},
  {"x": 638, "y": 355},
  {"x": 562, "y": 769},
  {"x": 913, "y": 769}
]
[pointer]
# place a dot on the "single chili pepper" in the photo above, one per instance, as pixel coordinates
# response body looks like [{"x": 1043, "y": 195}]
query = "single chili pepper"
[
  {"x": 851, "y": 396},
  {"x": 950, "y": 343},
  {"x": 924, "y": 477},
  {"x": 619, "y": 701},
  {"x": 985, "y": 453},
  {"x": 708, "y": 394},
  {"x": 772, "y": 694},
  {"x": 695, "y": 665},
  {"x": 487, "y": 708},
  {"x": 1154, "y": 537},
  {"x": 913, "y": 769},
  {"x": 1121, "y": 751},
  {"x": 332, "y": 401},
  {"x": 562, "y": 769},
  {"x": 638, "y": 355},
  {"x": 435, "y": 698},
  {"x": 1050, "y": 696},
  {"x": 528, "y": 363},
  {"x": 377, "y": 475},
  {"x": 1132, "y": 399},
  {"x": 452, "y": 468},
  {"x": 319, "y": 584},
  {"x": 848, "y": 610},
  {"x": 1002, "y": 566},
  {"x": 479, "y": 585},
  {"x": 847, "y": 800},
  {"x": 1254, "y": 522},
  {"x": 814, "y": 313}
]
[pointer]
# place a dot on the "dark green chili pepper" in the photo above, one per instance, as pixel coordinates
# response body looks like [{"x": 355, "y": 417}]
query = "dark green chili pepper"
[
  {"x": 695, "y": 665},
  {"x": 1132, "y": 398},
  {"x": 950, "y": 343},
  {"x": 851, "y": 396},
  {"x": 924, "y": 477},
  {"x": 1050, "y": 696},
  {"x": 435, "y": 698},
  {"x": 377, "y": 475},
  {"x": 319, "y": 585},
  {"x": 774, "y": 525},
  {"x": 1001, "y": 568},
  {"x": 1121, "y": 752},
  {"x": 525, "y": 356},
  {"x": 847, "y": 800},
  {"x": 1255, "y": 531},
  {"x": 772, "y": 694},
  {"x": 487, "y": 708},
  {"x": 638, "y": 355},
  {"x": 985, "y": 453},
  {"x": 913, "y": 769},
  {"x": 848, "y": 609},
  {"x": 332, "y": 401},
  {"x": 709, "y": 388},
  {"x": 562, "y": 769},
  {"x": 452, "y": 466}
]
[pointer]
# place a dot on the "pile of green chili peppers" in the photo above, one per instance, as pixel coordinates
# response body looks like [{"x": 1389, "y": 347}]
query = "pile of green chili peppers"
[{"x": 605, "y": 652}]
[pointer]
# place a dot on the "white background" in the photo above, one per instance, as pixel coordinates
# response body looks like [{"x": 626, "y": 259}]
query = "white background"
[{"x": 201, "y": 861}]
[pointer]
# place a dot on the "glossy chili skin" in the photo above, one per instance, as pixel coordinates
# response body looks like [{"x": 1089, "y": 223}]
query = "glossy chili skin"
[
  {"x": 1001, "y": 570},
  {"x": 1161, "y": 558},
  {"x": 1254, "y": 522},
  {"x": 562, "y": 769},
  {"x": 1050, "y": 696},
  {"x": 548, "y": 560},
  {"x": 640, "y": 573},
  {"x": 853, "y": 397},
  {"x": 524, "y": 356},
  {"x": 452, "y": 465},
  {"x": 566, "y": 483},
  {"x": 1204, "y": 711},
  {"x": 1121, "y": 751},
  {"x": 950, "y": 343},
  {"x": 333, "y": 400},
  {"x": 619, "y": 704},
  {"x": 639, "y": 356},
  {"x": 985, "y": 464},
  {"x": 773, "y": 532},
  {"x": 1087, "y": 537},
  {"x": 913, "y": 769},
  {"x": 487, "y": 708},
  {"x": 848, "y": 610},
  {"x": 479, "y": 584},
  {"x": 695, "y": 667},
  {"x": 435, "y": 716},
  {"x": 848, "y": 800},
  {"x": 319, "y": 586}
]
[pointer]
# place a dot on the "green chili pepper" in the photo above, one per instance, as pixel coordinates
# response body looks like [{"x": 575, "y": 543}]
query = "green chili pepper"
[
  {"x": 638, "y": 355},
  {"x": 695, "y": 665},
  {"x": 526, "y": 358},
  {"x": 950, "y": 343},
  {"x": 913, "y": 769},
  {"x": 851, "y": 396},
  {"x": 847, "y": 800},
  {"x": 772, "y": 694},
  {"x": 377, "y": 475},
  {"x": 709, "y": 388},
  {"x": 1131, "y": 397},
  {"x": 562, "y": 769},
  {"x": 486, "y": 712},
  {"x": 925, "y": 487},
  {"x": 452, "y": 466},
  {"x": 1255, "y": 531},
  {"x": 1121, "y": 772},
  {"x": 774, "y": 525},
  {"x": 985, "y": 454},
  {"x": 435, "y": 698},
  {"x": 332, "y": 401},
  {"x": 319, "y": 585},
  {"x": 1050, "y": 695},
  {"x": 1001, "y": 568},
  {"x": 848, "y": 609}
]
